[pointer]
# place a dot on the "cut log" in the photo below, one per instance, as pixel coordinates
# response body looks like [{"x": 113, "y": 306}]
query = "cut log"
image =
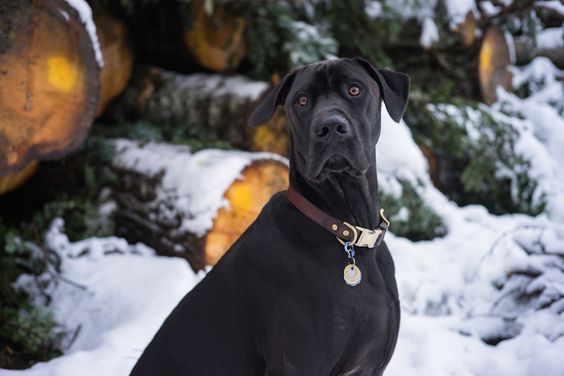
[
  {"x": 187, "y": 36},
  {"x": 216, "y": 38},
  {"x": 117, "y": 53},
  {"x": 48, "y": 82},
  {"x": 467, "y": 29},
  {"x": 191, "y": 205},
  {"x": 208, "y": 106},
  {"x": 494, "y": 62}
]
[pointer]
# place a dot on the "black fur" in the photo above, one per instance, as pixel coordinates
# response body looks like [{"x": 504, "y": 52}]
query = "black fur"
[{"x": 276, "y": 303}]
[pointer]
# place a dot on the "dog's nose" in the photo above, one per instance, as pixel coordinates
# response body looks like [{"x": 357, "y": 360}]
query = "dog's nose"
[{"x": 333, "y": 125}]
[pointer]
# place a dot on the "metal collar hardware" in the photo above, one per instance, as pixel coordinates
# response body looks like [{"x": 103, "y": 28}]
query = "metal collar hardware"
[{"x": 365, "y": 237}]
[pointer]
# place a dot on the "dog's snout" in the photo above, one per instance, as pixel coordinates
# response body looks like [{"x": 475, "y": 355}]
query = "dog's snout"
[{"x": 333, "y": 125}]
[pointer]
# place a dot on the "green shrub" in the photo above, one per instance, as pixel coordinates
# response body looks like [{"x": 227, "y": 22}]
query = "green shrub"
[
  {"x": 27, "y": 333},
  {"x": 476, "y": 156},
  {"x": 410, "y": 217}
]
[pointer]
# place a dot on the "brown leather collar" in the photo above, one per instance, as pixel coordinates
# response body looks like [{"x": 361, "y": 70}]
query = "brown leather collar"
[{"x": 344, "y": 231}]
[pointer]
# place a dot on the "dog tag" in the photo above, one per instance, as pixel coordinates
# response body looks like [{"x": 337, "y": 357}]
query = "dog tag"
[{"x": 352, "y": 275}]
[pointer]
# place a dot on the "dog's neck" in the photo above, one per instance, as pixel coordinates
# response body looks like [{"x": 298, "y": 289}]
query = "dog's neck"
[{"x": 353, "y": 199}]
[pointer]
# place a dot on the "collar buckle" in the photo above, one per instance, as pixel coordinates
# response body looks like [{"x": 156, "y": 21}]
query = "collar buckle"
[
  {"x": 368, "y": 238},
  {"x": 365, "y": 237}
]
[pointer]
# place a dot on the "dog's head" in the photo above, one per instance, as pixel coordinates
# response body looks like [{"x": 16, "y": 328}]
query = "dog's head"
[{"x": 334, "y": 109}]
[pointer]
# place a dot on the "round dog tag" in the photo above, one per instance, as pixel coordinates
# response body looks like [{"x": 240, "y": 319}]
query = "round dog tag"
[{"x": 352, "y": 275}]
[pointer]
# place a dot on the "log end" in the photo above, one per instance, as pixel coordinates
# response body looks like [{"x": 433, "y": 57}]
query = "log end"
[
  {"x": 246, "y": 198},
  {"x": 48, "y": 86},
  {"x": 273, "y": 136},
  {"x": 216, "y": 40},
  {"x": 493, "y": 64}
]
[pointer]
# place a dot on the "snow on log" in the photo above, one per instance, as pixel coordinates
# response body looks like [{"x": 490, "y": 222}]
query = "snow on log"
[
  {"x": 191, "y": 204},
  {"x": 48, "y": 81},
  {"x": 204, "y": 104},
  {"x": 495, "y": 57},
  {"x": 117, "y": 53}
]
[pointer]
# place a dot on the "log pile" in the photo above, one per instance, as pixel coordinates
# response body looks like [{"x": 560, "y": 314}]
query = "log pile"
[{"x": 191, "y": 205}]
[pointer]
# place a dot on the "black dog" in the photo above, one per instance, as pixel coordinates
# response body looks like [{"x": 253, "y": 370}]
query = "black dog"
[{"x": 276, "y": 303}]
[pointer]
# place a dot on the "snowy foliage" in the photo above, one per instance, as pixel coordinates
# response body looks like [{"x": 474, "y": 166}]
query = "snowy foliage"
[
  {"x": 541, "y": 82},
  {"x": 419, "y": 9},
  {"x": 306, "y": 44}
]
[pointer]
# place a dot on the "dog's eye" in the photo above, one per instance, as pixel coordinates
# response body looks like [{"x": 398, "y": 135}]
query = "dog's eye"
[
  {"x": 354, "y": 90},
  {"x": 302, "y": 100}
]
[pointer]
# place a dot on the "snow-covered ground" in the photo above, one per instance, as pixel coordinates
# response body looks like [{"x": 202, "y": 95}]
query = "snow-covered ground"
[{"x": 490, "y": 279}]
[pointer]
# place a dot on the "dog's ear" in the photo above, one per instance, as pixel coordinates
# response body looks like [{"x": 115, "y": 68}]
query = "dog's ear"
[
  {"x": 277, "y": 96},
  {"x": 394, "y": 87}
]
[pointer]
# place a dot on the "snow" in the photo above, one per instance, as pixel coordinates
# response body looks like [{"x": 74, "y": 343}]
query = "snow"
[
  {"x": 541, "y": 76},
  {"x": 373, "y": 9},
  {"x": 550, "y": 38},
  {"x": 510, "y": 41},
  {"x": 490, "y": 278},
  {"x": 542, "y": 138},
  {"x": 429, "y": 33},
  {"x": 118, "y": 297},
  {"x": 85, "y": 13}
]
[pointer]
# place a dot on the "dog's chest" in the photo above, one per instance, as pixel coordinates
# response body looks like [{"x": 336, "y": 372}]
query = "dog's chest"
[
  {"x": 312, "y": 320},
  {"x": 311, "y": 308}
]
